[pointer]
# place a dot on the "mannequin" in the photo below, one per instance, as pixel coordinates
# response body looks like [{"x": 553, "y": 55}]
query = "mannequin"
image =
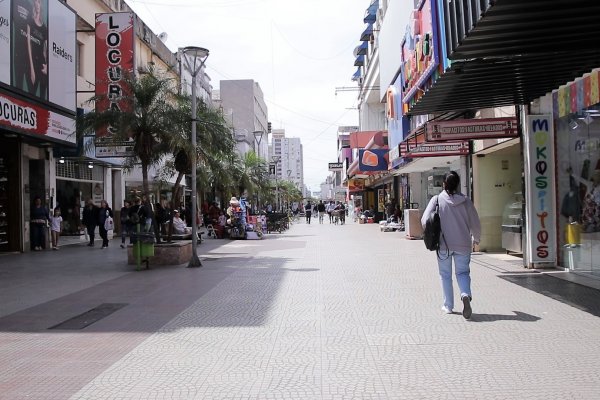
[{"x": 590, "y": 216}]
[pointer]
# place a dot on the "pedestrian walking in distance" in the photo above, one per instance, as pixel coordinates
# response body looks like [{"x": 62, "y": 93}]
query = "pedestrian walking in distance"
[{"x": 461, "y": 229}]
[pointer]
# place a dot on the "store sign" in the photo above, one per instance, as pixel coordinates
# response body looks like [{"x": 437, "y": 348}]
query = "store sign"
[
  {"x": 419, "y": 49},
  {"x": 35, "y": 120},
  {"x": 356, "y": 185},
  {"x": 540, "y": 194},
  {"x": 272, "y": 169},
  {"x": 434, "y": 149},
  {"x": 336, "y": 166},
  {"x": 114, "y": 61},
  {"x": 38, "y": 59},
  {"x": 373, "y": 159},
  {"x": 471, "y": 129}
]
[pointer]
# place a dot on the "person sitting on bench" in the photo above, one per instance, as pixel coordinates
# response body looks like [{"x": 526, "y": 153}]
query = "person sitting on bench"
[{"x": 179, "y": 226}]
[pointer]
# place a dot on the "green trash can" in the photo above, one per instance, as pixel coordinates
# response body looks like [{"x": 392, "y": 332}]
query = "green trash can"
[{"x": 143, "y": 246}]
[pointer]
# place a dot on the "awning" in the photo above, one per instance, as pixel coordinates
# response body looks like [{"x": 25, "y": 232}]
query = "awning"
[
  {"x": 509, "y": 52},
  {"x": 367, "y": 33},
  {"x": 371, "y": 13},
  {"x": 361, "y": 49},
  {"x": 360, "y": 61}
]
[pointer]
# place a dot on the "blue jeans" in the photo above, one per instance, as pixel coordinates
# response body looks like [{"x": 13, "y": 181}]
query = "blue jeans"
[{"x": 463, "y": 277}]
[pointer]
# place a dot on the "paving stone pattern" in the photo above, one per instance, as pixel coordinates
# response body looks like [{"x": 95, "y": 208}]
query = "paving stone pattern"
[{"x": 319, "y": 312}]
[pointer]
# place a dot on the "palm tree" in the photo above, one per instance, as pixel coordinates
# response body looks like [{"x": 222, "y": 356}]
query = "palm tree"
[
  {"x": 154, "y": 122},
  {"x": 252, "y": 174}
]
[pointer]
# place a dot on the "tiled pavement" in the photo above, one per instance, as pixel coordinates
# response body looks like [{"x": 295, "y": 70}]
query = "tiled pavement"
[{"x": 318, "y": 312}]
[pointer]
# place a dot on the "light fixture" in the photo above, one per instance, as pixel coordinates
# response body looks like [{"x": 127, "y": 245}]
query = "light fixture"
[
  {"x": 90, "y": 165},
  {"x": 61, "y": 160}
]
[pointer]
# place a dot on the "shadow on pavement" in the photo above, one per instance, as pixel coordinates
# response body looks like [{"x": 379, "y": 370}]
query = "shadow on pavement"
[
  {"x": 519, "y": 316},
  {"x": 581, "y": 297}
]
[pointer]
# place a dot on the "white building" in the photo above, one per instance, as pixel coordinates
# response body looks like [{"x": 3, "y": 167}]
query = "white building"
[{"x": 290, "y": 166}]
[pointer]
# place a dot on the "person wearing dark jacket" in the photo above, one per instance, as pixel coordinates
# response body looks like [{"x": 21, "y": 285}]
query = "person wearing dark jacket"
[
  {"x": 90, "y": 220},
  {"x": 103, "y": 215},
  {"x": 126, "y": 225},
  {"x": 39, "y": 219}
]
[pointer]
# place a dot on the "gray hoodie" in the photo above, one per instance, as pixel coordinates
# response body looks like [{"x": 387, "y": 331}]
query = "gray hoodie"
[{"x": 459, "y": 219}]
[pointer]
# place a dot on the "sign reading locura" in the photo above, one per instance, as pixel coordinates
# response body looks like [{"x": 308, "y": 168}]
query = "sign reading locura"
[
  {"x": 336, "y": 166},
  {"x": 471, "y": 129}
]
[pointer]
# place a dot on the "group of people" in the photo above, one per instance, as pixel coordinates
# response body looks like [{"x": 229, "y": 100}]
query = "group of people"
[{"x": 335, "y": 211}]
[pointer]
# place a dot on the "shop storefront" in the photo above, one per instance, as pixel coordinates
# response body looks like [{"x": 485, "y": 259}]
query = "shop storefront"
[{"x": 577, "y": 126}]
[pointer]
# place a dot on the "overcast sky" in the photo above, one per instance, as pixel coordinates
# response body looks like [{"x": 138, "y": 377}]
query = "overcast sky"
[{"x": 298, "y": 51}]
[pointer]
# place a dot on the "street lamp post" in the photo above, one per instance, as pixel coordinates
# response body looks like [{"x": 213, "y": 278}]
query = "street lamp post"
[
  {"x": 199, "y": 56},
  {"x": 276, "y": 161}
]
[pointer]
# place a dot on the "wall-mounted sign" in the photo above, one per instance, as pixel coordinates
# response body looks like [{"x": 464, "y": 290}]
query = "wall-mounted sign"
[
  {"x": 336, "y": 166},
  {"x": 540, "y": 199},
  {"x": 35, "y": 120},
  {"x": 471, "y": 129},
  {"x": 114, "y": 61},
  {"x": 373, "y": 159},
  {"x": 272, "y": 169},
  {"x": 434, "y": 149}
]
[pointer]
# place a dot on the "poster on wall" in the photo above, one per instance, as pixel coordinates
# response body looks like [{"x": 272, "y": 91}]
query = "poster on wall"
[
  {"x": 540, "y": 193},
  {"x": 5, "y": 26},
  {"x": 37, "y": 50},
  {"x": 380, "y": 200}
]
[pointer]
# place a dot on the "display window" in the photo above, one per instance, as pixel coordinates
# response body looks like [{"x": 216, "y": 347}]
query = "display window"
[{"x": 578, "y": 181}]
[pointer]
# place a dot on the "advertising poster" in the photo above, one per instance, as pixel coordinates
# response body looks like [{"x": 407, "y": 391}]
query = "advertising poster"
[
  {"x": 380, "y": 200},
  {"x": 30, "y": 56},
  {"x": 61, "y": 55},
  {"x": 5, "y": 22},
  {"x": 373, "y": 159}
]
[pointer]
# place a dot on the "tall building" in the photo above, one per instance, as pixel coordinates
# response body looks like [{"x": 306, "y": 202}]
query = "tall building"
[
  {"x": 290, "y": 166},
  {"x": 244, "y": 106}
]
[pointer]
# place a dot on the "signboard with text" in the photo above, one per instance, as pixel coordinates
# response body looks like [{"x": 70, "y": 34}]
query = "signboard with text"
[
  {"x": 434, "y": 149},
  {"x": 540, "y": 201},
  {"x": 35, "y": 120},
  {"x": 115, "y": 39},
  {"x": 471, "y": 129},
  {"x": 336, "y": 166}
]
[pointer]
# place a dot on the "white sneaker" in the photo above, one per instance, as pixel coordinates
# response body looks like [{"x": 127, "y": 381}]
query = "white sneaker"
[{"x": 447, "y": 310}]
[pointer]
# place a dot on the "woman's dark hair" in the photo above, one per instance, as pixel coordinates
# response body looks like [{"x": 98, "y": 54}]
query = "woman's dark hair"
[{"x": 451, "y": 182}]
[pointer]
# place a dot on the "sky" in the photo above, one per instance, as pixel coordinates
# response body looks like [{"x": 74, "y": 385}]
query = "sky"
[{"x": 299, "y": 52}]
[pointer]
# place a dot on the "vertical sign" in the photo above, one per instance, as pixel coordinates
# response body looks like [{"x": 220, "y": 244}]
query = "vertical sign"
[
  {"x": 540, "y": 201},
  {"x": 380, "y": 200},
  {"x": 114, "y": 62},
  {"x": 5, "y": 22}
]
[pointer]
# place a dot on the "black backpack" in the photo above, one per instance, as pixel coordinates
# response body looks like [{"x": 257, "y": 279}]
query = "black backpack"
[{"x": 433, "y": 229}]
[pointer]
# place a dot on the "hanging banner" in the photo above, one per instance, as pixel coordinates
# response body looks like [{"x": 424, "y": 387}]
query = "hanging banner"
[
  {"x": 540, "y": 190},
  {"x": 373, "y": 159},
  {"x": 115, "y": 41},
  {"x": 434, "y": 149},
  {"x": 471, "y": 129}
]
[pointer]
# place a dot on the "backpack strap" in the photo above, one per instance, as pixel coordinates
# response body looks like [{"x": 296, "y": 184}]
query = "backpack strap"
[{"x": 437, "y": 211}]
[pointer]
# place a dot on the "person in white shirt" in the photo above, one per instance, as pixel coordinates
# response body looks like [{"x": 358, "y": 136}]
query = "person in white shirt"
[
  {"x": 179, "y": 225},
  {"x": 55, "y": 227}
]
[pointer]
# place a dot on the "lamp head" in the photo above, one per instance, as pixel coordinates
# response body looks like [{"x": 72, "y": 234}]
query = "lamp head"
[
  {"x": 276, "y": 158},
  {"x": 194, "y": 51}
]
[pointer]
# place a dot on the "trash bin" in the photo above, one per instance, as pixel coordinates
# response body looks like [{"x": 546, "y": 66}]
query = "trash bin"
[{"x": 143, "y": 246}]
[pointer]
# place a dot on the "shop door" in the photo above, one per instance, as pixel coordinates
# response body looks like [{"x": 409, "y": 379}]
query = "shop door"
[{"x": 10, "y": 216}]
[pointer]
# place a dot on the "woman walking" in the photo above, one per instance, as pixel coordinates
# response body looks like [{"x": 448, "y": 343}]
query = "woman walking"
[{"x": 460, "y": 230}]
